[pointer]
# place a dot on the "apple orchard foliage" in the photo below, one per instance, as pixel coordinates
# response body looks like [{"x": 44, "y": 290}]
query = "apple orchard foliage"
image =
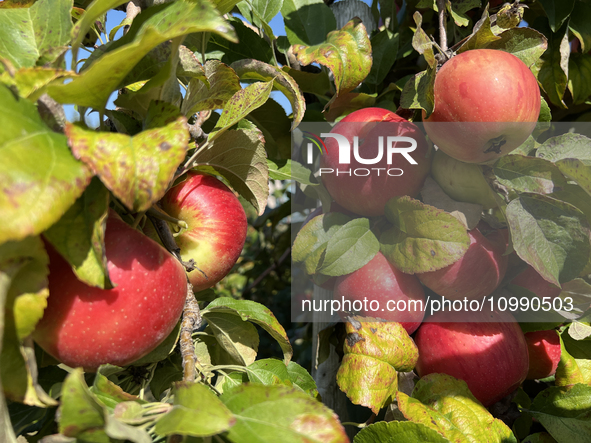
[{"x": 176, "y": 63}]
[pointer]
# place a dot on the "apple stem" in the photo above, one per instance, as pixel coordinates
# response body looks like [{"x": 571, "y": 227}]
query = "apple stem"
[
  {"x": 442, "y": 29},
  {"x": 191, "y": 321},
  {"x": 153, "y": 211}
]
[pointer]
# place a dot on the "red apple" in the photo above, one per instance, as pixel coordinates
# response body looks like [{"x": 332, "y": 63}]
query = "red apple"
[
  {"x": 369, "y": 187},
  {"x": 487, "y": 104},
  {"x": 534, "y": 282},
  {"x": 217, "y": 227},
  {"x": 396, "y": 296},
  {"x": 544, "y": 353},
  {"x": 87, "y": 326},
  {"x": 489, "y": 352},
  {"x": 474, "y": 276}
]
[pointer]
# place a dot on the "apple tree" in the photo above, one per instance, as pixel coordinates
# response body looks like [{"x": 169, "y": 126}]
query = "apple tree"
[{"x": 116, "y": 231}]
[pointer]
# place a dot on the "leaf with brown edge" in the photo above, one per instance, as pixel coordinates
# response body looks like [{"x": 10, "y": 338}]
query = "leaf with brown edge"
[
  {"x": 346, "y": 52},
  {"x": 138, "y": 169},
  {"x": 374, "y": 352}
]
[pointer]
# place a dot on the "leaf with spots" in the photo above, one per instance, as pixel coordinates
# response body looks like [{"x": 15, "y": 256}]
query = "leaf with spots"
[
  {"x": 239, "y": 156},
  {"x": 39, "y": 177},
  {"x": 346, "y": 52},
  {"x": 32, "y": 82},
  {"x": 398, "y": 432},
  {"x": 138, "y": 169},
  {"x": 374, "y": 352},
  {"x": 551, "y": 235},
  {"x": 79, "y": 236},
  {"x": 256, "y": 70},
  {"x": 222, "y": 84},
  {"x": 447, "y": 406},
  {"x": 240, "y": 105},
  {"x": 35, "y": 35},
  {"x": 254, "y": 312},
  {"x": 272, "y": 413},
  {"x": 419, "y": 93},
  {"x": 423, "y": 238},
  {"x": 152, "y": 27}
]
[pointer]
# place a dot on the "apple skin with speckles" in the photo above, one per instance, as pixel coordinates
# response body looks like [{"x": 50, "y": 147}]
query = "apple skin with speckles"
[
  {"x": 487, "y": 103},
  {"x": 217, "y": 226},
  {"x": 489, "y": 351},
  {"x": 85, "y": 326}
]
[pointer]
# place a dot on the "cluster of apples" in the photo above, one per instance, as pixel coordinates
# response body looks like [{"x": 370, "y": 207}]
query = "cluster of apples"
[
  {"x": 487, "y": 104},
  {"x": 85, "y": 326}
]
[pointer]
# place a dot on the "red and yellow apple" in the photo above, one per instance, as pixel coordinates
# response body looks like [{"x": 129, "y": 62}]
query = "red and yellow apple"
[
  {"x": 474, "y": 276},
  {"x": 365, "y": 188},
  {"x": 487, "y": 103},
  {"x": 486, "y": 349},
  {"x": 397, "y": 296},
  {"x": 84, "y": 326},
  {"x": 217, "y": 227},
  {"x": 544, "y": 353}
]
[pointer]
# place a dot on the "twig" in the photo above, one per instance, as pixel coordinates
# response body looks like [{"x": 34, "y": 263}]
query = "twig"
[
  {"x": 191, "y": 321},
  {"x": 442, "y": 30},
  {"x": 267, "y": 271}
]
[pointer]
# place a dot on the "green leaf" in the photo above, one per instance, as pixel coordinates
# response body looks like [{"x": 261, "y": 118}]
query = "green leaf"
[
  {"x": 80, "y": 413},
  {"x": 458, "y": 9},
  {"x": 350, "y": 248},
  {"x": 384, "y": 48},
  {"x": 136, "y": 169},
  {"x": 423, "y": 238},
  {"x": 565, "y": 146},
  {"x": 92, "y": 13},
  {"x": 196, "y": 411},
  {"x": 552, "y": 68},
  {"x": 156, "y": 25},
  {"x": 418, "y": 92},
  {"x": 447, "y": 406},
  {"x": 239, "y": 156},
  {"x": 35, "y": 35},
  {"x": 307, "y": 22},
  {"x": 40, "y": 177},
  {"x": 302, "y": 379},
  {"x": 251, "y": 45},
  {"x": 240, "y": 105},
  {"x": 524, "y": 43},
  {"x": 564, "y": 412},
  {"x": 579, "y": 330},
  {"x": 237, "y": 337},
  {"x": 557, "y": 11},
  {"x": 422, "y": 43},
  {"x": 256, "y": 313},
  {"x": 79, "y": 236},
  {"x": 347, "y": 53},
  {"x": 374, "y": 351},
  {"x": 398, "y": 432},
  {"x": 268, "y": 371},
  {"x": 538, "y": 437},
  {"x": 290, "y": 170},
  {"x": 271, "y": 119},
  {"x": 314, "y": 83},
  {"x": 256, "y": 70},
  {"x": 32, "y": 82},
  {"x": 550, "y": 235},
  {"x": 528, "y": 174},
  {"x": 568, "y": 371},
  {"x": 579, "y": 69},
  {"x": 110, "y": 394},
  {"x": 223, "y": 84},
  {"x": 580, "y": 25},
  {"x": 311, "y": 242},
  {"x": 263, "y": 413}
]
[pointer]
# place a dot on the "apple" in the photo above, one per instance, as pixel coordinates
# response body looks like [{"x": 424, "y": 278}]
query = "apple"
[
  {"x": 477, "y": 274},
  {"x": 489, "y": 352},
  {"x": 544, "y": 353},
  {"x": 368, "y": 192},
  {"x": 380, "y": 282},
  {"x": 487, "y": 103},
  {"x": 217, "y": 226},
  {"x": 531, "y": 280},
  {"x": 85, "y": 326},
  {"x": 463, "y": 182}
]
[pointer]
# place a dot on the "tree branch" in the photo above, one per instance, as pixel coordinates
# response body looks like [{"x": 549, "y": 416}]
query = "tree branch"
[
  {"x": 442, "y": 30},
  {"x": 191, "y": 321}
]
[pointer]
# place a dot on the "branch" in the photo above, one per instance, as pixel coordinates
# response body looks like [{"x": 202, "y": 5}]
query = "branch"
[
  {"x": 442, "y": 30},
  {"x": 191, "y": 321}
]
